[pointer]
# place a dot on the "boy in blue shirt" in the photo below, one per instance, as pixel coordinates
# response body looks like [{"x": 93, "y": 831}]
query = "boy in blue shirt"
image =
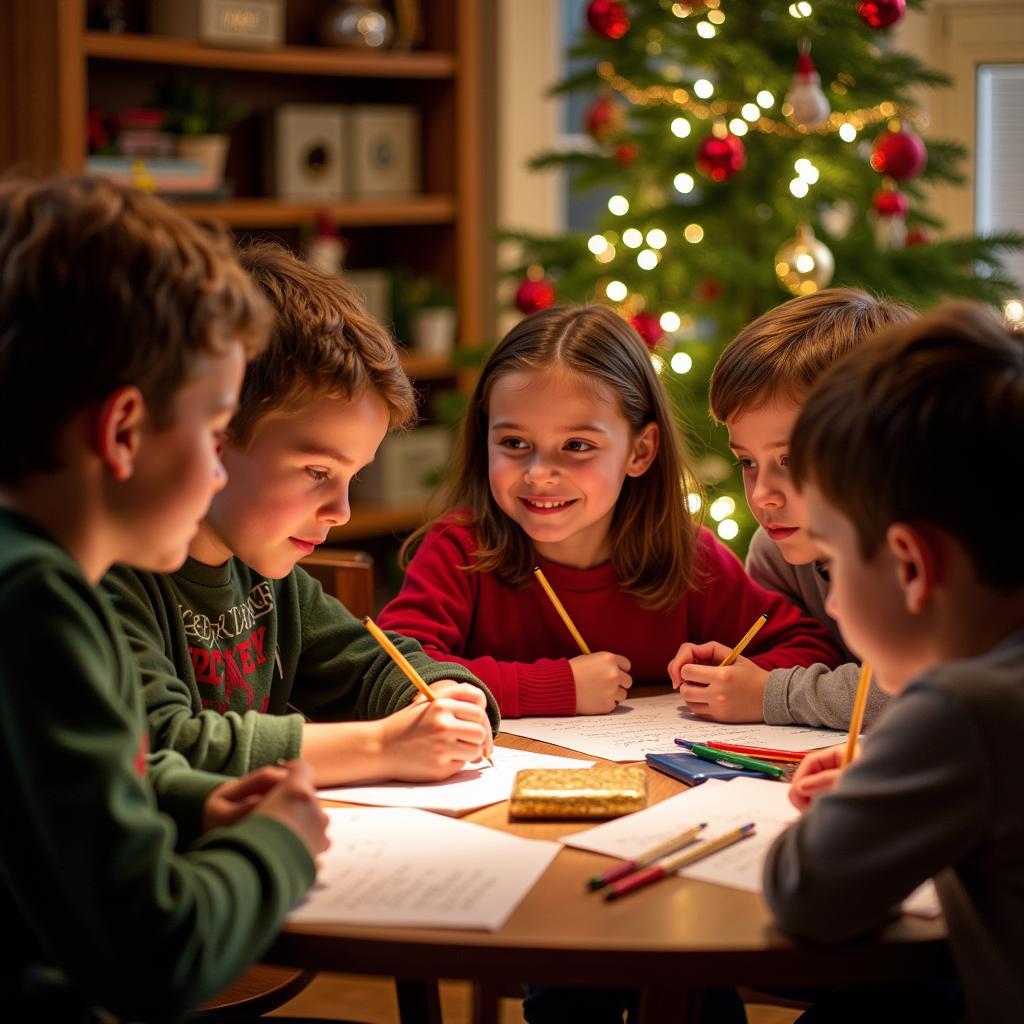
[
  {"x": 931, "y": 593},
  {"x": 134, "y": 886}
]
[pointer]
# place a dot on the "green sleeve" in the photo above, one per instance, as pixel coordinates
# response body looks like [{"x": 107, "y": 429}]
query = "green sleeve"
[
  {"x": 140, "y": 929},
  {"x": 344, "y": 674},
  {"x": 231, "y": 742}
]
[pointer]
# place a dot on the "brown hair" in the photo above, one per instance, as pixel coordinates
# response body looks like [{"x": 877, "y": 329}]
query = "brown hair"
[
  {"x": 653, "y": 537},
  {"x": 888, "y": 432},
  {"x": 102, "y": 286},
  {"x": 784, "y": 351},
  {"x": 323, "y": 342}
]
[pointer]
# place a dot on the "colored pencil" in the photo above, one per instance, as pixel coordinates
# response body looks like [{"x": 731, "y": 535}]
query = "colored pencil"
[
  {"x": 731, "y": 760},
  {"x": 652, "y": 855},
  {"x": 560, "y": 608},
  {"x": 673, "y": 863},
  {"x": 857, "y": 718},
  {"x": 763, "y": 753},
  {"x": 748, "y": 636},
  {"x": 403, "y": 663}
]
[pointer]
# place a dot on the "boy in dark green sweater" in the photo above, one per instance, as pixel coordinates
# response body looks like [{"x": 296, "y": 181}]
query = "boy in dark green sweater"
[
  {"x": 124, "y": 331},
  {"x": 244, "y": 659}
]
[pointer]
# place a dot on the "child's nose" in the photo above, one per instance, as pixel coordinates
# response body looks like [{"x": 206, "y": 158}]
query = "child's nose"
[
  {"x": 337, "y": 511},
  {"x": 765, "y": 494},
  {"x": 537, "y": 469}
]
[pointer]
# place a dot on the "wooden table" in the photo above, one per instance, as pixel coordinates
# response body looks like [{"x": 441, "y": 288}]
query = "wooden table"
[{"x": 672, "y": 939}]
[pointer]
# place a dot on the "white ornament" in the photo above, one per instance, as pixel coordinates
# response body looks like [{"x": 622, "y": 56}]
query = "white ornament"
[{"x": 805, "y": 104}]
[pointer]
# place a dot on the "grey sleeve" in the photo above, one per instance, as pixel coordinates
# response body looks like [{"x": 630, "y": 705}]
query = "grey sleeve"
[
  {"x": 818, "y": 696},
  {"x": 912, "y": 804}
]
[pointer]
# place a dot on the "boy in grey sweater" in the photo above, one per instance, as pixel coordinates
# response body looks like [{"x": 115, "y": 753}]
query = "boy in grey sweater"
[
  {"x": 757, "y": 390},
  {"x": 932, "y": 596}
]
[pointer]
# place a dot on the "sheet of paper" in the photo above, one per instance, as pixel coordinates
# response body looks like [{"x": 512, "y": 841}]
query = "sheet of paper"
[
  {"x": 476, "y": 786},
  {"x": 651, "y": 724},
  {"x": 401, "y": 867},
  {"x": 723, "y": 806}
]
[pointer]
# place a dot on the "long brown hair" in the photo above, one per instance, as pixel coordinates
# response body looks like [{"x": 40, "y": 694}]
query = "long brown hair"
[{"x": 653, "y": 536}]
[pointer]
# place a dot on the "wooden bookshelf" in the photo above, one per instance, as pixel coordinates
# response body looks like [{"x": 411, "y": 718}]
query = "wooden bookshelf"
[{"x": 56, "y": 69}]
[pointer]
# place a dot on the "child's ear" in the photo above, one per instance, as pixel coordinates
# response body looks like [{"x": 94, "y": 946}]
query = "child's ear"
[
  {"x": 918, "y": 563},
  {"x": 119, "y": 430},
  {"x": 645, "y": 448}
]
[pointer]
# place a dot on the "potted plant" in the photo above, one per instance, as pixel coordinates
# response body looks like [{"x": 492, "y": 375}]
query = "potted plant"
[
  {"x": 201, "y": 118},
  {"x": 432, "y": 317}
]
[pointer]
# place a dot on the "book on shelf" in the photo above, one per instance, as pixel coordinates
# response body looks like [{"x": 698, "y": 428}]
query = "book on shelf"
[{"x": 162, "y": 175}]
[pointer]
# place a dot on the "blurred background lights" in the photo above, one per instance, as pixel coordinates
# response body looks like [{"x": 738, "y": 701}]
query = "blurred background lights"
[
  {"x": 693, "y": 502},
  {"x": 670, "y": 323},
  {"x": 765, "y": 99},
  {"x": 693, "y": 233},
  {"x": 633, "y": 238},
  {"x": 738, "y": 126},
  {"x": 683, "y": 182},
  {"x": 722, "y": 507},
  {"x": 705, "y": 30},
  {"x": 616, "y": 291},
  {"x": 1013, "y": 311},
  {"x": 805, "y": 263},
  {"x": 681, "y": 362},
  {"x": 799, "y": 187},
  {"x": 656, "y": 238},
  {"x": 647, "y": 259},
  {"x": 618, "y": 205},
  {"x": 597, "y": 244},
  {"x": 680, "y": 127},
  {"x": 847, "y": 132},
  {"x": 703, "y": 88},
  {"x": 657, "y": 362},
  {"x": 728, "y": 529},
  {"x": 751, "y": 111}
]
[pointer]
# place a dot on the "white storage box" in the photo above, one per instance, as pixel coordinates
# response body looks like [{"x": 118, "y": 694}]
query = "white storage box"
[{"x": 405, "y": 469}]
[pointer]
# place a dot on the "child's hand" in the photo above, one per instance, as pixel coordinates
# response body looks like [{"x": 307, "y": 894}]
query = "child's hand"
[
  {"x": 426, "y": 742},
  {"x": 232, "y": 801},
  {"x": 818, "y": 773},
  {"x": 602, "y": 681},
  {"x": 731, "y": 694},
  {"x": 294, "y": 803}
]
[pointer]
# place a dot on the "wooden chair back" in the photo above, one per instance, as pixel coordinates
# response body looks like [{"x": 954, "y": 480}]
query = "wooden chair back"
[{"x": 346, "y": 575}]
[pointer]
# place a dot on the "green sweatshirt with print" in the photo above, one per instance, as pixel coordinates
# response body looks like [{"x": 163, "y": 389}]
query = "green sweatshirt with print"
[
  {"x": 226, "y": 654},
  {"x": 108, "y": 895}
]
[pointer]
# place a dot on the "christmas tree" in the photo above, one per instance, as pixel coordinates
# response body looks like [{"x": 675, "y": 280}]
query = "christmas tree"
[{"x": 755, "y": 151}]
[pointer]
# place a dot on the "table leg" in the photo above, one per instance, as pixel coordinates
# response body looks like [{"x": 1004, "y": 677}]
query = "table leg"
[
  {"x": 418, "y": 1002},
  {"x": 669, "y": 1006}
]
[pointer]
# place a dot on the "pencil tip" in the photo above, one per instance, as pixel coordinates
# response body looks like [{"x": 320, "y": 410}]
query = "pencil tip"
[{"x": 536, "y": 568}]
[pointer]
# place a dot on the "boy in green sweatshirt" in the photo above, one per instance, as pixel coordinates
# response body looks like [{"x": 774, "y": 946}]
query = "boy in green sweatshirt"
[
  {"x": 135, "y": 886},
  {"x": 244, "y": 659}
]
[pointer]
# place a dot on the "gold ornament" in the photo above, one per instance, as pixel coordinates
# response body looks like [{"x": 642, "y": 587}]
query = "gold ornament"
[{"x": 804, "y": 265}]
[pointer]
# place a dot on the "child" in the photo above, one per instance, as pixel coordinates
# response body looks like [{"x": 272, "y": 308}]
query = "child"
[
  {"x": 570, "y": 459},
  {"x": 124, "y": 330},
  {"x": 757, "y": 388},
  {"x": 239, "y": 636},
  {"x": 930, "y": 591}
]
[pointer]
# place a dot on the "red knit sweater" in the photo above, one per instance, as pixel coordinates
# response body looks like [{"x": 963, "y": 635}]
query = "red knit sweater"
[{"x": 515, "y": 642}]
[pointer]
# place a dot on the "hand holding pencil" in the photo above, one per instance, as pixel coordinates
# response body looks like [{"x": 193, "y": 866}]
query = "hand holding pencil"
[{"x": 428, "y": 744}]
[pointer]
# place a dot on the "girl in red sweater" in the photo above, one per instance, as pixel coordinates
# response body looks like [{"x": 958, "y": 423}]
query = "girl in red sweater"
[{"x": 569, "y": 458}]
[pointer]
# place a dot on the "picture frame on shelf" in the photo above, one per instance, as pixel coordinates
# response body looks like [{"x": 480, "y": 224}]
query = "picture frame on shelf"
[
  {"x": 249, "y": 24},
  {"x": 383, "y": 150},
  {"x": 307, "y": 152}
]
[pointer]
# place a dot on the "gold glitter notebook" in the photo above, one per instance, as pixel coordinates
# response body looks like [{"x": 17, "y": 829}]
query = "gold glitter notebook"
[{"x": 602, "y": 792}]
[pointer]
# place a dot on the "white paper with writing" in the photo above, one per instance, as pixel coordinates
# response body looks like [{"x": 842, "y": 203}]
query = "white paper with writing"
[
  {"x": 651, "y": 724},
  {"x": 723, "y": 806},
  {"x": 476, "y": 786},
  {"x": 401, "y": 867}
]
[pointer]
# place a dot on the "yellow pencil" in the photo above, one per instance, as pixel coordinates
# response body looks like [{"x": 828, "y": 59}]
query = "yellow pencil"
[
  {"x": 569, "y": 624},
  {"x": 403, "y": 663},
  {"x": 857, "y": 718},
  {"x": 750, "y": 634}
]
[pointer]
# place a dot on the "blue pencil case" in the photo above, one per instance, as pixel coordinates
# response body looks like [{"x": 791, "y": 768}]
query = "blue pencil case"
[{"x": 694, "y": 770}]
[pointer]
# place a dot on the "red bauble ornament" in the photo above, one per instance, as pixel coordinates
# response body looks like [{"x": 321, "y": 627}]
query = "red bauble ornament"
[
  {"x": 900, "y": 154},
  {"x": 648, "y": 326},
  {"x": 720, "y": 158},
  {"x": 625, "y": 153},
  {"x": 881, "y": 13},
  {"x": 918, "y": 236},
  {"x": 607, "y": 18},
  {"x": 605, "y": 119},
  {"x": 890, "y": 202},
  {"x": 534, "y": 294},
  {"x": 709, "y": 290}
]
